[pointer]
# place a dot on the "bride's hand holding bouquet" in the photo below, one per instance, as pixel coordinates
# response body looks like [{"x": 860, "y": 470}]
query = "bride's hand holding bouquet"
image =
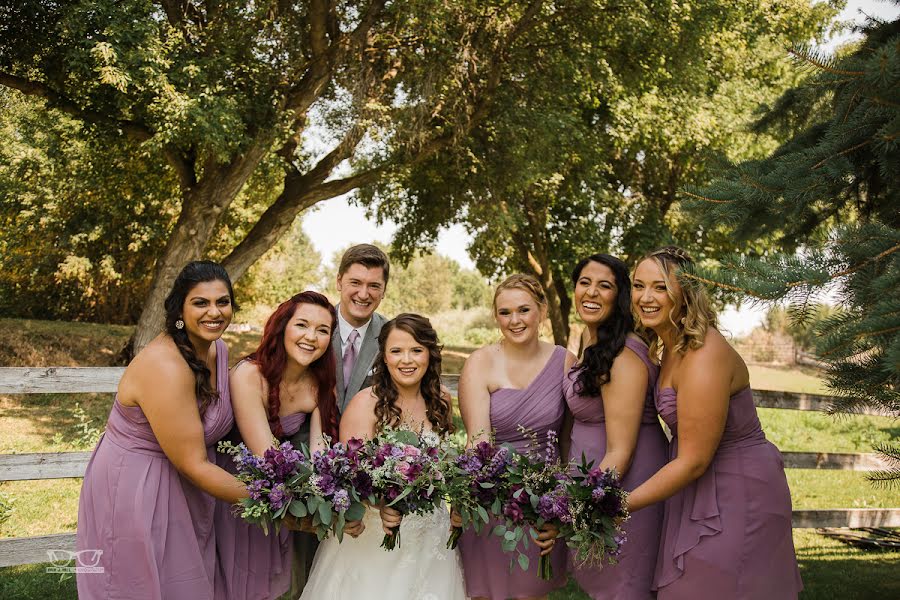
[{"x": 406, "y": 477}]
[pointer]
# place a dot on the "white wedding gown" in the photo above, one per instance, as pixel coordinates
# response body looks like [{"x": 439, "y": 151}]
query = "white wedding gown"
[{"x": 419, "y": 568}]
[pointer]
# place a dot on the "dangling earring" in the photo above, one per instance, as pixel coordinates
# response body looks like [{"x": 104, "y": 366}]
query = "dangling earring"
[{"x": 179, "y": 324}]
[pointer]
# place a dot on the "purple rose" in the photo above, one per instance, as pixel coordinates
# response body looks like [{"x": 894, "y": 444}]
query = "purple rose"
[{"x": 513, "y": 511}]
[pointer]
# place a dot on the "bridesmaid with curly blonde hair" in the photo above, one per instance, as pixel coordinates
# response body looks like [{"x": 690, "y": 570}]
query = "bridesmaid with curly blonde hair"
[{"x": 727, "y": 522}]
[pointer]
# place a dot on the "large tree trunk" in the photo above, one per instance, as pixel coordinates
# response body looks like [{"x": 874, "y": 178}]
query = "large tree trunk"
[{"x": 202, "y": 206}]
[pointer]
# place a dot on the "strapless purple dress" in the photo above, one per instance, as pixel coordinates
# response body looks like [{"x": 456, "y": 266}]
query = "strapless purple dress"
[
  {"x": 154, "y": 527},
  {"x": 728, "y": 533},
  {"x": 540, "y": 408},
  {"x": 251, "y": 565},
  {"x": 632, "y": 576}
]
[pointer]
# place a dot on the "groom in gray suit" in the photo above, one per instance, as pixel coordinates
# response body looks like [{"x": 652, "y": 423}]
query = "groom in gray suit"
[{"x": 361, "y": 281}]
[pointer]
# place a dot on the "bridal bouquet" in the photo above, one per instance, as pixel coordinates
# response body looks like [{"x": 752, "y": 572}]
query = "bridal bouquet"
[
  {"x": 270, "y": 480},
  {"x": 538, "y": 494},
  {"x": 598, "y": 509},
  {"x": 475, "y": 481},
  {"x": 406, "y": 475},
  {"x": 331, "y": 487}
]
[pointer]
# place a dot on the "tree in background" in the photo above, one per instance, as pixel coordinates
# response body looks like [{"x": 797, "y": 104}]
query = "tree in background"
[
  {"x": 215, "y": 90},
  {"x": 77, "y": 238},
  {"x": 584, "y": 152},
  {"x": 830, "y": 199},
  {"x": 83, "y": 223},
  {"x": 802, "y": 331}
]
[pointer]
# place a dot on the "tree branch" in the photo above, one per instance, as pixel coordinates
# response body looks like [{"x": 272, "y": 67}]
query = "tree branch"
[{"x": 133, "y": 129}]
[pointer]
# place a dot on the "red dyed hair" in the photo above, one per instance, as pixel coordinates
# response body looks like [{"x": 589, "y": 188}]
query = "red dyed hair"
[{"x": 271, "y": 359}]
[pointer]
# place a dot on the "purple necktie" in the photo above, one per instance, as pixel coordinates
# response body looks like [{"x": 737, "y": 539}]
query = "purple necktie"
[{"x": 350, "y": 356}]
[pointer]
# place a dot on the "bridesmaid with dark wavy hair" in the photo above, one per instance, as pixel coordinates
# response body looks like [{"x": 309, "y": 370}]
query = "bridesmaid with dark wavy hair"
[
  {"x": 288, "y": 379},
  {"x": 150, "y": 488},
  {"x": 610, "y": 393}
]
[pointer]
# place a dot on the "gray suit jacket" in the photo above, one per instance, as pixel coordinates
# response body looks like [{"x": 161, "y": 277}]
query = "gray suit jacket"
[{"x": 361, "y": 376}]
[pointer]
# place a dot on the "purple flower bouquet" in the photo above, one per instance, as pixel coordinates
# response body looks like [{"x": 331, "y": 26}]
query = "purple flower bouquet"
[
  {"x": 270, "y": 480},
  {"x": 598, "y": 509},
  {"x": 406, "y": 475},
  {"x": 538, "y": 494},
  {"x": 331, "y": 487},
  {"x": 475, "y": 484}
]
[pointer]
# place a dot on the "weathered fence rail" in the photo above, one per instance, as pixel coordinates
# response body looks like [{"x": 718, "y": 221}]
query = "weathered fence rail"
[{"x": 70, "y": 380}]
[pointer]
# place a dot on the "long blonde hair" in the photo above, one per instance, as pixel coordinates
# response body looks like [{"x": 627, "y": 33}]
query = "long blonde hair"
[{"x": 695, "y": 315}]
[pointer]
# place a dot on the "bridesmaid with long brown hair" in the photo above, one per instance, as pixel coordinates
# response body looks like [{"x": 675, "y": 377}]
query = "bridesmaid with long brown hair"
[
  {"x": 610, "y": 393},
  {"x": 149, "y": 493}
]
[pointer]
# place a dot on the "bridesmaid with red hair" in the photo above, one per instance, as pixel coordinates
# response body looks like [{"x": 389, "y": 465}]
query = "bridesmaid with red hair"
[{"x": 288, "y": 379}]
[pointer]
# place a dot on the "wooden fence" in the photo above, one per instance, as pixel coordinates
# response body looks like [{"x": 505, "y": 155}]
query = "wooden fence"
[{"x": 69, "y": 380}]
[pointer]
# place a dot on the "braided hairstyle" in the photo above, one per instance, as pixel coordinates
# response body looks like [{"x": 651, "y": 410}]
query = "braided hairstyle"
[
  {"x": 271, "y": 358},
  {"x": 437, "y": 408},
  {"x": 598, "y": 358},
  {"x": 194, "y": 273}
]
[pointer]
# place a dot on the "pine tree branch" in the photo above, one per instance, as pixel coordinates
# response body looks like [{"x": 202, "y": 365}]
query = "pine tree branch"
[
  {"x": 841, "y": 153},
  {"x": 875, "y": 258},
  {"x": 705, "y": 199},
  {"x": 808, "y": 58},
  {"x": 724, "y": 286}
]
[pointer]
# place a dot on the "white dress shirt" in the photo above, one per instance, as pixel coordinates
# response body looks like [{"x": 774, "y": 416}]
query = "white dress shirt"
[{"x": 346, "y": 329}]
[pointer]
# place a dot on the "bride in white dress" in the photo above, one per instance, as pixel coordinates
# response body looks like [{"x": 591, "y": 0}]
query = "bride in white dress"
[{"x": 407, "y": 390}]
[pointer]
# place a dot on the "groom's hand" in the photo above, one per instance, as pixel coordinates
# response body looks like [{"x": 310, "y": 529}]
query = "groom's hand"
[
  {"x": 354, "y": 528},
  {"x": 390, "y": 518},
  {"x": 546, "y": 538}
]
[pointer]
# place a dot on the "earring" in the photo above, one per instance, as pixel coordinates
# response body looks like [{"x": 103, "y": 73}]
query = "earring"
[{"x": 179, "y": 324}]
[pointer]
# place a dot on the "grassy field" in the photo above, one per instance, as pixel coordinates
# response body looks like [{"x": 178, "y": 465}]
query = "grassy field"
[{"x": 46, "y": 423}]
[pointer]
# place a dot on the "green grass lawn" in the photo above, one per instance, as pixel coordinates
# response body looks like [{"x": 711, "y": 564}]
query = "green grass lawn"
[
  {"x": 830, "y": 571},
  {"x": 50, "y": 423}
]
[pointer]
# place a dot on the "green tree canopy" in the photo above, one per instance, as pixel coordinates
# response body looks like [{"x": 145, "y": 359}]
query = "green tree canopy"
[
  {"x": 215, "y": 90},
  {"x": 586, "y": 151}
]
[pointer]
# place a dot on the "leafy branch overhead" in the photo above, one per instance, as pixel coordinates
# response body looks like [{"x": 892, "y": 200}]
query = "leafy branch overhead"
[
  {"x": 338, "y": 93},
  {"x": 617, "y": 108}
]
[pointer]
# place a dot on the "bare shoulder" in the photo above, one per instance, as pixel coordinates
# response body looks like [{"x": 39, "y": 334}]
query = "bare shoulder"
[
  {"x": 482, "y": 360},
  {"x": 361, "y": 403},
  {"x": 358, "y": 418},
  {"x": 714, "y": 350},
  {"x": 160, "y": 360},
  {"x": 245, "y": 372},
  {"x": 570, "y": 361},
  {"x": 158, "y": 368},
  {"x": 628, "y": 363},
  {"x": 445, "y": 393},
  {"x": 716, "y": 359}
]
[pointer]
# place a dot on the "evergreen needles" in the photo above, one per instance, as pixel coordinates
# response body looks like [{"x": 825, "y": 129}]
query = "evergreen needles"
[{"x": 828, "y": 201}]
